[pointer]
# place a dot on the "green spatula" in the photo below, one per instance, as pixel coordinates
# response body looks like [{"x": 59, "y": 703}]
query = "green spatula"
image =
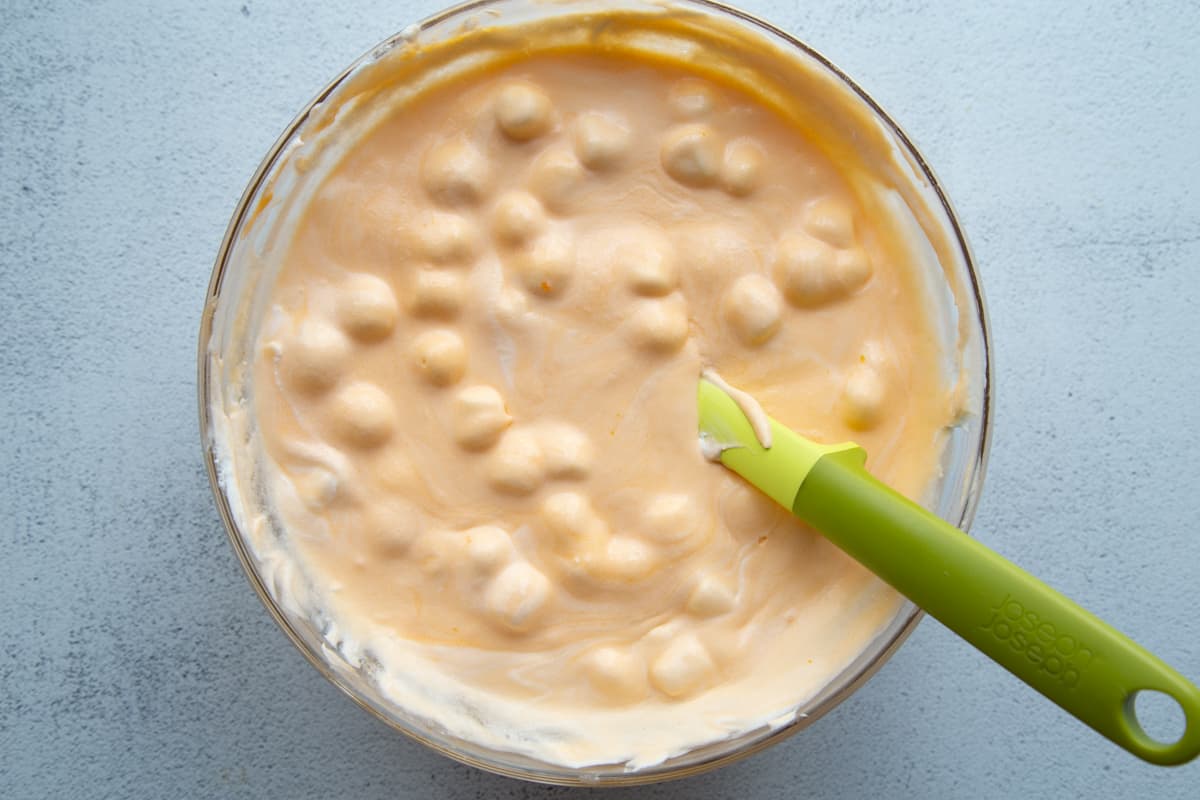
[{"x": 1068, "y": 654}]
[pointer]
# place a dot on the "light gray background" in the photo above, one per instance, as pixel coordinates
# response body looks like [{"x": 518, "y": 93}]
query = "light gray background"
[{"x": 137, "y": 662}]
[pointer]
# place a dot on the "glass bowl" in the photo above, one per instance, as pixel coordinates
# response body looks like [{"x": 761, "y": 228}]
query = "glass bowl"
[{"x": 777, "y": 65}]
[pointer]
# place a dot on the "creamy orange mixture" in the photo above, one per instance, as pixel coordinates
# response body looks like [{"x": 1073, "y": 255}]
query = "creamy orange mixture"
[{"x": 475, "y": 388}]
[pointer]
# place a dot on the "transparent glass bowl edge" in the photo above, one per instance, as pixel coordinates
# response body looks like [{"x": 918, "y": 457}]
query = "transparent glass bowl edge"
[{"x": 344, "y": 675}]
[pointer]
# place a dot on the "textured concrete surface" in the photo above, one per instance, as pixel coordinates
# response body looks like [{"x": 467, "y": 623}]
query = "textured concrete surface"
[{"x": 138, "y": 663}]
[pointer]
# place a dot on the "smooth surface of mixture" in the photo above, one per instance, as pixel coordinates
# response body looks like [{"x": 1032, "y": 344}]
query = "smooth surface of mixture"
[{"x": 475, "y": 392}]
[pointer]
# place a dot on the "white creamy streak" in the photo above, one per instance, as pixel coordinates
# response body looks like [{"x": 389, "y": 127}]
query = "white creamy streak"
[{"x": 760, "y": 423}]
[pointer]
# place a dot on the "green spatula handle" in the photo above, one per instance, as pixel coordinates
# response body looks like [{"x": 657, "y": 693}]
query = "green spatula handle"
[{"x": 1057, "y": 647}]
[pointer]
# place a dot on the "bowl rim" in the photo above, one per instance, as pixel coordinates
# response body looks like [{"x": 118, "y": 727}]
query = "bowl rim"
[{"x": 565, "y": 776}]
